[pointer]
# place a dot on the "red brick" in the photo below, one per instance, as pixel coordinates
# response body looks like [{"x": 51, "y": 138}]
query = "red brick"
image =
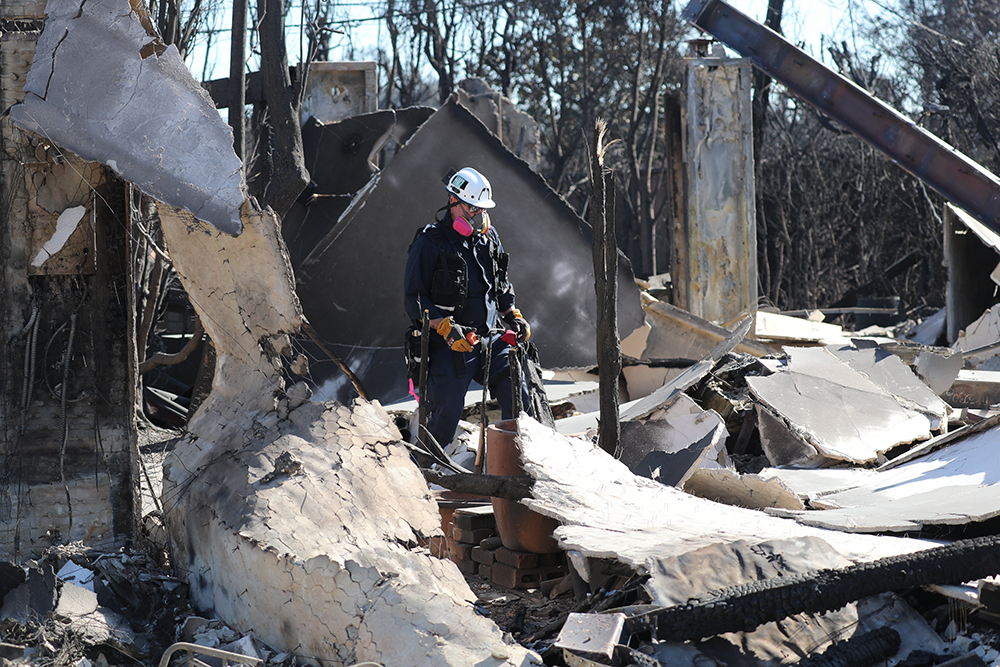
[
  {"x": 505, "y": 575},
  {"x": 481, "y": 555},
  {"x": 472, "y": 537},
  {"x": 519, "y": 560},
  {"x": 466, "y": 566},
  {"x": 460, "y": 551},
  {"x": 485, "y": 571},
  {"x": 475, "y": 518}
]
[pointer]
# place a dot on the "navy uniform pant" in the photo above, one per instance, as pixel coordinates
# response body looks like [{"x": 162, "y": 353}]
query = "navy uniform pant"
[{"x": 446, "y": 388}]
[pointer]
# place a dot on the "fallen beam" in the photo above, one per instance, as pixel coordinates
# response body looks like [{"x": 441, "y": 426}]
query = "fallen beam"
[{"x": 748, "y": 606}]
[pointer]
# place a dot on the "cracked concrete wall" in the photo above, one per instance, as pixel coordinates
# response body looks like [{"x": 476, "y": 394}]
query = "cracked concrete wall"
[
  {"x": 66, "y": 472},
  {"x": 325, "y": 562},
  {"x": 139, "y": 111}
]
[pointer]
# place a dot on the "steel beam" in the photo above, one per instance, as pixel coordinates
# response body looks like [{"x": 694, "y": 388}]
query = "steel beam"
[{"x": 958, "y": 178}]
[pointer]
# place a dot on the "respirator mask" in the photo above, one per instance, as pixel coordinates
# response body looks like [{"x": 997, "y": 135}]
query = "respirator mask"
[{"x": 479, "y": 224}]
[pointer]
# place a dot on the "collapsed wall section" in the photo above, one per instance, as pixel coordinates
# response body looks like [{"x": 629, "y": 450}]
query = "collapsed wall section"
[{"x": 67, "y": 460}]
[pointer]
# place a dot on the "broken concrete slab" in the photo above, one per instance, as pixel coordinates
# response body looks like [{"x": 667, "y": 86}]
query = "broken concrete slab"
[
  {"x": 606, "y": 511},
  {"x": 815, "y": 394},
  {"x": 325, "y": 562},
  {"x": 954, "y": 485},
  {"x": 140, "y": 112},
  {"x": 351, "y": 284}
]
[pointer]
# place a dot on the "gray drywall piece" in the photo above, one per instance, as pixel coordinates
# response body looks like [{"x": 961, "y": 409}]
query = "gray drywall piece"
[
  {"x": 954, "y": 485},
  {"x": 889, "y": 372},
  {"x": 781, "y": 446},
  {"x": 839, "y": 411},
  {"x": 937, "y": 370},
  {"x": 106, "y": 89},
  {"x": 670, "y": 468},
  {"x": 351, "y": 286}
]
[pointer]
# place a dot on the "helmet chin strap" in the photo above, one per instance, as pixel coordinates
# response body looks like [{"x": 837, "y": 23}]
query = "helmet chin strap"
[{"x": 440, "y": 218}]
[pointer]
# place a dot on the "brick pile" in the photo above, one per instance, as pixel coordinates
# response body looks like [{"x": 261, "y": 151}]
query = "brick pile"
[{"x": 474, "y": 546}]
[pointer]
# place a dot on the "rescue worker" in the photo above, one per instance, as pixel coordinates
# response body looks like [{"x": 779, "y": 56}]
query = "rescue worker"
[{"x": 456, "y": 270}]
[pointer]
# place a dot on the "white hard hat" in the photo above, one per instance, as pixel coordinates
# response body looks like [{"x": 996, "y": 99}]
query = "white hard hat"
[{"x": 471, "y": 187}]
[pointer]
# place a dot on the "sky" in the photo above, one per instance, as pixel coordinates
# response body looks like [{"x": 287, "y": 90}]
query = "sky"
[{"x": 803, "y": 22}]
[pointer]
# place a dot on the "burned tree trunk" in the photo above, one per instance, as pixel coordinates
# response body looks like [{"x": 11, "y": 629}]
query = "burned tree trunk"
[
  {"x": 286, "y": 173},
  {"x": 609, "y": 359}
]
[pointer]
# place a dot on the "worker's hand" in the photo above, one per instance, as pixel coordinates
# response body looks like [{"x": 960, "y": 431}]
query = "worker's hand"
[
  {"x": 458, "y": 338},
  {"x": 518, "y": 324}
]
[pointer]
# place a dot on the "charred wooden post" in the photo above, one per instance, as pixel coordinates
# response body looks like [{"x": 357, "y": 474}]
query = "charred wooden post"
[
  {"x": 287, "y": 174},
  {"x": 609, "y": 361},
  {"x": 513, "y": 489},
  {"x": 238, "y": 77},
  {"x": 745, "y": 607}
]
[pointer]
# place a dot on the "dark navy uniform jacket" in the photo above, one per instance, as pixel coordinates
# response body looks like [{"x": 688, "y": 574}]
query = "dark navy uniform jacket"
[{"x": 483, "y": 256}]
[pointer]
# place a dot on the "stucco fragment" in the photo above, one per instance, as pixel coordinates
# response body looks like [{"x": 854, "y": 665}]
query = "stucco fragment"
[{"x": 105, "y": 88}]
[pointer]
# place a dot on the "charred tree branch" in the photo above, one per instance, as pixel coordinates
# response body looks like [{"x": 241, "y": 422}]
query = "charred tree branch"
[{"x": 514, "y": 489}]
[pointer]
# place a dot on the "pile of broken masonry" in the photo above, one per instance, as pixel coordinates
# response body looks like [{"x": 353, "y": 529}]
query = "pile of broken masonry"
[{"x": 803, "y": 496}]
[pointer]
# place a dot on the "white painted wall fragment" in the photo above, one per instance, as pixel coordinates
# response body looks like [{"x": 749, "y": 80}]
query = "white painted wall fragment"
[
  {"x": 105, "y": 88},
  {"x": 66, "y": 224},
  {"x": 956, "y": 484},
  {"x": 983, "y": 334}
]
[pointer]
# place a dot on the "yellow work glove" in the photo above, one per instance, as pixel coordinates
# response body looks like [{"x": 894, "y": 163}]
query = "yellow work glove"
[
  {"x": 518, "y": 324},
  {"x": 458, "y": 338}
]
